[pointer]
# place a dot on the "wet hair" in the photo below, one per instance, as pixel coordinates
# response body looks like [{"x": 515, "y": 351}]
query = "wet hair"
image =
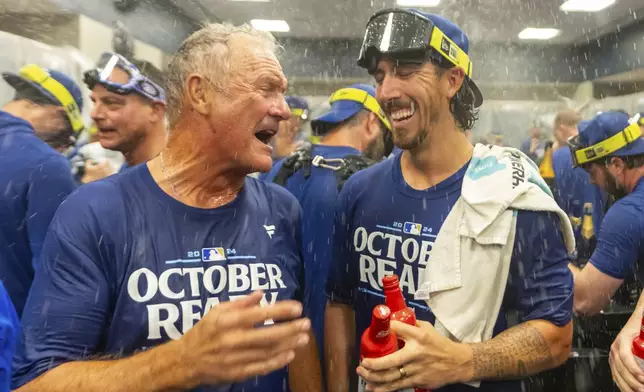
[
  {"x": 150, "y": 71},
  {"x": 462, "y": 104},
  {"x": 206, "y": 52}
]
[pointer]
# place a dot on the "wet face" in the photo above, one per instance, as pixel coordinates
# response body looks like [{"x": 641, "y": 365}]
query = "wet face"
[
  {"x": 414, "y": 97},
  {"x": 123, "y": 121},
  {"x": 247, "y": 114},
  {"x": 607, "y": 177}
]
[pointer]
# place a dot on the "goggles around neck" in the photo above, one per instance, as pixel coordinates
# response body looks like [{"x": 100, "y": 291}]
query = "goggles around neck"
[
  {"x": 582, "y": 155},
  {"x": 404, "y": 33},
  {"x": 363, "y": 98},
  {"x": 35, "y": 74},
  {"x": 123, "y": 83}
]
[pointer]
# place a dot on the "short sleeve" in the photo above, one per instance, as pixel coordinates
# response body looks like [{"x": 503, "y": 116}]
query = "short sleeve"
[
  {"x": 338, "y": 287},
  {"x": 539, "y": 274},
  {"x": 50, "y": 184},
  {"x": 67, "y": 309},
  {"x": 618, "y": 242}
]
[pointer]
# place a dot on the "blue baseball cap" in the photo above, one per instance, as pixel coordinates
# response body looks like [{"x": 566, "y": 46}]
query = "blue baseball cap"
[
  {"x": 605, "y": 126},
  {"x": 401, "y": 32},
  {"x": 20, "y": 83},
  {"x": 346, "y": 103},
  {"x": 299, "y": 106}
]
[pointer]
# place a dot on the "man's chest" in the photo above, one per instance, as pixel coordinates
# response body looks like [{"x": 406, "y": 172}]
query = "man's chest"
[
  {"x": 168, "y": 280},
  {"x": 396, "y": 240}
]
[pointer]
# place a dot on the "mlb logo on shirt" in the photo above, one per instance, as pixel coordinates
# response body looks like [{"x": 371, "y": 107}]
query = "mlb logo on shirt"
[
  {"x": 213, "y": 254},
  {"x": 412, "y": 228}
]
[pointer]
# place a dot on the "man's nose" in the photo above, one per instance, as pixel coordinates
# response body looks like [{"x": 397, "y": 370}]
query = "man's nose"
[
  {"x": 388, "y": 89},
  {"x": 97, "y": 113},
  {"x": 280, "y": 109}
]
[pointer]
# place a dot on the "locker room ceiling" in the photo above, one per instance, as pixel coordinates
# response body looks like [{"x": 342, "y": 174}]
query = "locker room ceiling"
[{"x": 484, "y": 20}]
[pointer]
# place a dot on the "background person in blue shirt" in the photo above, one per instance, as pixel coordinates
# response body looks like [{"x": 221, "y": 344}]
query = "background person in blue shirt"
[
  {"x": 143, "y": 266},
  {"x": 129, "y": 109},
  {"x": 618, "y": 168},
  {"x": 430, "y": 102},
  {"x": 351, "y": 127},
  {"x": 9, "y": 329},
  {"x": 36, "y": 178},
  {"x": 573, "y": 190}
]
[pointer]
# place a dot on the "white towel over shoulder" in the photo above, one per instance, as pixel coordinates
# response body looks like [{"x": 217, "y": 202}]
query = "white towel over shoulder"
[{"x": 465, "y": 279}]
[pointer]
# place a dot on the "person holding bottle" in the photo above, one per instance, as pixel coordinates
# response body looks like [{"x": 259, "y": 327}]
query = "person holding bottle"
[{"x": 390, "y": 215}]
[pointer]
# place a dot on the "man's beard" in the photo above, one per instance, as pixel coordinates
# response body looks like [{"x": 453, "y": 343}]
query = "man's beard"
[
  {"x": 613, "y": 187},
  {"x": 404, "y": 142}
]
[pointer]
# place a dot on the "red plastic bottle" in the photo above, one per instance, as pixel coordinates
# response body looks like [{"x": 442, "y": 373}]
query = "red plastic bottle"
[
  {"x": 377, "y": 340},
  {"x": 399, "y": 310},
  {"x": 395, "y": 301},
  {"x": 638, "y": 347}
]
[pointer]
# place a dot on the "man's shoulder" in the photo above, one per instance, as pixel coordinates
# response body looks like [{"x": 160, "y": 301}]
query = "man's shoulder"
[
  {"x": 626, "y": 213},
  {"x": 100, "y": 200}
]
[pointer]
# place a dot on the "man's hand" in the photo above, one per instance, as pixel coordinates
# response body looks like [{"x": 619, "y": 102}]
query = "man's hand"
[
  {"x": 626, "y": 374},
  {"x": 428, "y": 360},
  {"x": 226, "y": 346},
  {"x": 96, "y": 171}
]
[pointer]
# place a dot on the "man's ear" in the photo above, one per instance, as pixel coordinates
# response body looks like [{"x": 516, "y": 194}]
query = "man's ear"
[
  {"x": 197, "y": 93},
  {"x": 455, "y": 78}
]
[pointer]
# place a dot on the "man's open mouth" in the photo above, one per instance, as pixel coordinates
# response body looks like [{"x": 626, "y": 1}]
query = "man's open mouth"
[
  {"x": 401, "y": 115},
  {"x": 265, "y": 135}
]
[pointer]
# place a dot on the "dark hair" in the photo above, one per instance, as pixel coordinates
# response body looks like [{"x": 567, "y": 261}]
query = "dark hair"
[
  {"x": 150, "y": 71},
  {"x": 462, "y": 104}
]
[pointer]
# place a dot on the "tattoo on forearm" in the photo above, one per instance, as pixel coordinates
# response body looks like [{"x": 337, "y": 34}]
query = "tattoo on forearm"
[{"x": 515, "y": 353}]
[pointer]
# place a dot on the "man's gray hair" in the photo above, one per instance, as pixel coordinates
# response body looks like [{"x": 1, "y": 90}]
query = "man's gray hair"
[{"x": 206, "y": 52}]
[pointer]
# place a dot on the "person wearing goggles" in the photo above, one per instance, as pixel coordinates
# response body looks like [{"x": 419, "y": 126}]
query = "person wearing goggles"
[
  {"x": 388, "y": 217},
  {"x": 611, "y": 149},
  {"x": 181, "y": 273},
  {"x": 35, "y": 127},
  {"x": 129, "y": 108},
  {"x": 353, "y": 129}
]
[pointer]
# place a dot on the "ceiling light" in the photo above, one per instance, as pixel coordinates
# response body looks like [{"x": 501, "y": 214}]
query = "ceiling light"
[
  {"x": 586, "y": 5},
  {"x": 543, "y": 34},
  {"x": 418, "y": 3},
  {"x": 270, "y": 25},
  {"x": 250, "y": 1}
]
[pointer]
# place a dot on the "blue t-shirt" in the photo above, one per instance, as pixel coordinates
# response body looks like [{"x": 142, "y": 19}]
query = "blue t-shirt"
[
  {"x": 9, "y": 329},
  {"x": 34, "y": 180},
  {"x": 129, "y": 267},
  {"x": 620, "y": 244},
  {"x": 317, "y": 196},
  {"x": 384, "y": 226},
  {"x": 573, "y": 190}
]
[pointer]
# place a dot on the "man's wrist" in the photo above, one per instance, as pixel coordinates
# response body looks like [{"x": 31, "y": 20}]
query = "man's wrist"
[
  {"x": 174, "y": 370},
  {"x": 463, "y": 355}
]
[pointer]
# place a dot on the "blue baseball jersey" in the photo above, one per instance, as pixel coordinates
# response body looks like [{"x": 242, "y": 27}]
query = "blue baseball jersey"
[
  {"x": 317, "y": 195},
  {"x": 620, "y": 244},
  {"x": 9, "y": 328},
  {"x": 384, "y": 226},
  {"x": 35, "y": 180},
  {"x": 573, "y": 190},
  {"x": 130, "y": 267}
]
